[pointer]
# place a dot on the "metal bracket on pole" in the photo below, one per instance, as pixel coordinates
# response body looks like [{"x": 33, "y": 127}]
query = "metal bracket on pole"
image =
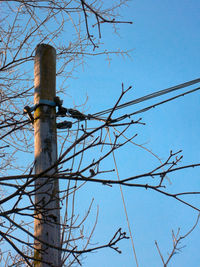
[
  {"x": 62, "y": 111},
  {"x": 40, "y": 103},
  {"x": 28, "y": 110}
]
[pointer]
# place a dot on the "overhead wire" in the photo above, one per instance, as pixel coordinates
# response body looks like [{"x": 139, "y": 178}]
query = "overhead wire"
[
  {"x": 164, "y": 101},
  {"x": 149, "y": 96},
  {"x": 153, "y": 106},
  {"x": 97, "y": 116}
]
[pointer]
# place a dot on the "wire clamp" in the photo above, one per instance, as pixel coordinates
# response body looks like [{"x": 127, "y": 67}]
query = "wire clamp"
[
  {"x": 62, "y": 112},
  {"x": 64, "y": 125}
]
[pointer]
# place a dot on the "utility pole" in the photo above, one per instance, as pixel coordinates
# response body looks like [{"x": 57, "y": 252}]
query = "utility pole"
[{"x": 47, "y": 212}]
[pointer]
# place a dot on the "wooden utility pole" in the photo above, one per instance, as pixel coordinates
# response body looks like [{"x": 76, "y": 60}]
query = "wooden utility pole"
[{"x": 47, "y": 212}]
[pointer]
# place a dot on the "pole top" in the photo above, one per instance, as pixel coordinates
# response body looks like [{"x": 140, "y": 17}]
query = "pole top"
[
  {"x": 45, "y": 73},
  {"x": 44, "y": 46}
]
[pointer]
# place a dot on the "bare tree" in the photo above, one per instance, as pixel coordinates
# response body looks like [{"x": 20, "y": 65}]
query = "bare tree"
[{"x": 24, "y": 24}]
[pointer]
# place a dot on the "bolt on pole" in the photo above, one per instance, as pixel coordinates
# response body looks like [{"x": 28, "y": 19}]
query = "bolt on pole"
[{"x": 47, "y": 210}]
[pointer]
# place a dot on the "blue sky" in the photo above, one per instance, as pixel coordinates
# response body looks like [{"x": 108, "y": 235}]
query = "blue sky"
[{"x": 165, "y": 41}]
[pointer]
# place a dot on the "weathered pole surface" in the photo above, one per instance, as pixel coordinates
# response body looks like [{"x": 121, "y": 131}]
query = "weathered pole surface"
[{"x": 47, "y": 213}]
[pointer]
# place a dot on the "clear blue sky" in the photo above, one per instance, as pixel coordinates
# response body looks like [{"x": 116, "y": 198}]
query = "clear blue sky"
[{"x": 165, "y": 42}]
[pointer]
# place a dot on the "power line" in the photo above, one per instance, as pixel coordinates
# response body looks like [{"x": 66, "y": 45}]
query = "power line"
[
  {"x": 164, "y": 101},
  {"x": 149, "y": 96},
  {"x": 154, "y": 105}
]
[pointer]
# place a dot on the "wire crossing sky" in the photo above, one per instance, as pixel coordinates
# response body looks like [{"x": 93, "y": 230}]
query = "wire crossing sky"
[{"x": 150, "y": 96}]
